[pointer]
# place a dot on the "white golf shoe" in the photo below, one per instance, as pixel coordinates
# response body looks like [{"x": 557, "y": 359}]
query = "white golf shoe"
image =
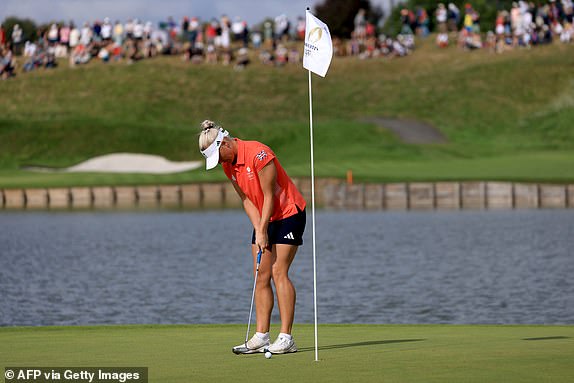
[
  {"x": 254, "y": 345},
  {"x": 282, "y": 345}
]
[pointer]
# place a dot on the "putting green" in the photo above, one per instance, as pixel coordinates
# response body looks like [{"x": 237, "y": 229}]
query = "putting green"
[{"x": 347, "y": 353}]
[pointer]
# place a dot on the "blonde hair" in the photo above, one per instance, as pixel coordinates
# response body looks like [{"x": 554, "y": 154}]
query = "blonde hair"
[{"x": 209, "y": 130}]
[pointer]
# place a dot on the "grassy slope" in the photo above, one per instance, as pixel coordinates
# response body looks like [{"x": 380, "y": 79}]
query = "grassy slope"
[
  {"x": 506, "y": 116},
  {"x": 347, "y": 353}
]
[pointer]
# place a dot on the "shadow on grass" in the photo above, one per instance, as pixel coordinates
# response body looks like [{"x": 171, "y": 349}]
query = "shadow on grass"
[
  {"x": 359, "y": 344},
  {"x": 548, "y": 338}
]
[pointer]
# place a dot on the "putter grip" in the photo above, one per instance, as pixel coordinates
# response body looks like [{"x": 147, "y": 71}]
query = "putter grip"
[{"x": 259, "y": 256}]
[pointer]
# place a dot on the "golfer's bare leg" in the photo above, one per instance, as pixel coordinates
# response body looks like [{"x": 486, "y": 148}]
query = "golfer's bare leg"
[
  {"x": 286, "y": 295},
  {"x": 263, "y": 291}
]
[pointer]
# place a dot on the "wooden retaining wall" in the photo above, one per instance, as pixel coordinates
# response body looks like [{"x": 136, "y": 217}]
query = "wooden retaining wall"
[{"x": 329, "y": 193}]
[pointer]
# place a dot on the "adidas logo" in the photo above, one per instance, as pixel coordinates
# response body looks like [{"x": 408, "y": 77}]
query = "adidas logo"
[{"x": 289, "y": 236}]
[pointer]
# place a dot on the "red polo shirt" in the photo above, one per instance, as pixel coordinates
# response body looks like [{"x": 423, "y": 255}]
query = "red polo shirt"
[{"x": 252, "y": 156}]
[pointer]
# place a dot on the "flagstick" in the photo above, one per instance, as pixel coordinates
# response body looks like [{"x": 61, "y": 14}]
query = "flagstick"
[{"x": 313, "y": 217}]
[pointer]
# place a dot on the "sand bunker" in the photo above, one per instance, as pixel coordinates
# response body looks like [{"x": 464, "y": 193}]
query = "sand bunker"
[{"x": 127, "y": 163}]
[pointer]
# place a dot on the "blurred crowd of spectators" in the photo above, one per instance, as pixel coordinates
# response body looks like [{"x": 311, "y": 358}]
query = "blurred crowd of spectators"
[
  {"x": 234, "y": 42},
  {"x": 366, "y": 43},
  {"x": 224, "y": 40},
  {"x": 526, "y": 24},
  {"x": 221, "y": 40}
]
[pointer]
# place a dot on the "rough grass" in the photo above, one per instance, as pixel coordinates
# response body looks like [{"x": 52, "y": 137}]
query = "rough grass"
[{"x": 505, "y": 116}]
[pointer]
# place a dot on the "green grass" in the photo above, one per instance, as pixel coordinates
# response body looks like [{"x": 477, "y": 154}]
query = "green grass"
[
  {"x": 505, "y": 116},
  {"x": 347, "y": 353}
]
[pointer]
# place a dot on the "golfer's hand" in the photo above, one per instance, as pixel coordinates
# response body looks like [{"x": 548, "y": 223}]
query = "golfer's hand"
[{"x": 261, "y": 240}]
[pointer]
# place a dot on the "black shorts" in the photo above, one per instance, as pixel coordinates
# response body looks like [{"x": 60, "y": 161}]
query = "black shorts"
[{"x": 288, "y": 231}]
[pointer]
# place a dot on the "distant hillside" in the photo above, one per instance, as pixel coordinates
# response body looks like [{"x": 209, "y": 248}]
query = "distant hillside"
[{"x": 515, "y": 105}]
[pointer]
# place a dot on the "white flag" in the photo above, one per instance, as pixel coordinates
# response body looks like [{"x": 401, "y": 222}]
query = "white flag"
[{"x": 318, "y": 46}]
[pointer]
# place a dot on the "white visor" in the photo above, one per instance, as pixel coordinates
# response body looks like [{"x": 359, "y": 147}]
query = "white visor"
[{"x": 211, "y": 154}]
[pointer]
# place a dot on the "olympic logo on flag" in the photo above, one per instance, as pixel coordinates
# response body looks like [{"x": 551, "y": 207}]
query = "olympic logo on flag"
[{"x": 315, "y": 35}]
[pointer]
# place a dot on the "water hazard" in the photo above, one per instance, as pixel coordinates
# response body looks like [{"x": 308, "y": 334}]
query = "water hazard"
[{"x": 507, "y": 267}]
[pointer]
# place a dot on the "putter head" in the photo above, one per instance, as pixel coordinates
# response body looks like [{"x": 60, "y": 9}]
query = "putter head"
[{"x": 239, "y": 350}]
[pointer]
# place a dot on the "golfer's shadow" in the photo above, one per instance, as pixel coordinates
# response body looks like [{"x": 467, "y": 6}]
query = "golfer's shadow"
[{"x": 359, "y": 344}]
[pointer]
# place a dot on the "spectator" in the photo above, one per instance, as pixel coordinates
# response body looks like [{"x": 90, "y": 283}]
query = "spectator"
[
  {"x": 553, "y": 12},
  {"x": 499, "y": 29},
  {"x": 294, "y": 56},
  {"x": 527, "y": 19},
  {"x": 282, "y": 26},
  {"x": 160, "y": 39},
  {"x": 196, "y": 54},
  {"x": 16, "y": 40},
  {"x": 256, "y": 39},
  {"x": 245, "y": 36},
  {"x": 399, "y": 50},
  {"x": 266, "y": 57},
  {"x": 516, "y": 24},
  {"x": 29, "y": 49},
  {"x": 138, "y": 31},
  {"x": 466, "y": 38},
  {"x": 268, "y": 35},
  {"x": 194, "y": 29},
  {"x": 406, "y": 22},
  {"x": 185, "y": 28},
  {"x": 441, "y": 15},
  {"x": 211, "y": 55},
  {"x": 50, "y": 57},
  {"x": 65, "y": 35},
  {"x": 80, "y": 55},
  {"x": 129, "y": 29},
  {"x": 106, "y": 31},
  {"x": 74, "y": 36},
  {"x": 301, "y": 28},
  {"x": 568, "y": 11},
  {"x": 104, "y": 54},
  {"x": 225, "y": 37},
  {"x": 441, "y": 18},
  {"x": 422, "y": 22},
  {"x": 281, "y": 55},
  {"x": 370, "y": 30},
  {"x": 566, "y": 36},
  {"x": 147, "y": 30},
  {"x": 354, "y": 46},
  {"x": 53, "y": 37},
  {"x": 211, "y": 32},
  {"x": 242, "y": 59},
  {"x": 237, "y": 28},
  {"x": 360, "y": 25},
  {"x": 86, "y": 35},
  {"x": 2, "y": 36},
  {"x": 442, "y": 40},
  {"x": 491, "y": 41},
  {"x": 116, "y": 51},
  {"x": 97, "y": 32},
  {"x": 453, "y": 17},
  {"x": 118, "y": 34},
  {"x": 6, "y": 62},
  {"x": 32, "y": 55}
]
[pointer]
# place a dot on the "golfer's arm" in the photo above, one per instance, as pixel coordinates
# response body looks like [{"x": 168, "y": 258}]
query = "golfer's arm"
[
  {"x": 267, "y": 178},
  {"x": 248, "y": 206}
]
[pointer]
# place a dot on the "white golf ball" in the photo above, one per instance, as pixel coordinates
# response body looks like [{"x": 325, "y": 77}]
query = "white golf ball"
[{"x": 268, "y": 355}]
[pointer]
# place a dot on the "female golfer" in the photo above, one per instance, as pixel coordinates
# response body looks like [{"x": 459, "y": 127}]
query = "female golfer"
[{"x": 277, "y": 211}]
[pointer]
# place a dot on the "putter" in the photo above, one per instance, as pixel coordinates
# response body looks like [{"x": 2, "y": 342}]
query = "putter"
[{"x": 244, "y": 350}]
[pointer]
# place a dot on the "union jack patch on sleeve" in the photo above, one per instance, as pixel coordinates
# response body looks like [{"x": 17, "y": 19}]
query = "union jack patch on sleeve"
[{"x": 261, "y": 155}]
